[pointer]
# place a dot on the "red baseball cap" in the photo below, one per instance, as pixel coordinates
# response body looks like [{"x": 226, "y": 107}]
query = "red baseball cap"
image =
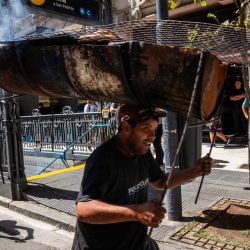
[{"x": 134, "y": 113}]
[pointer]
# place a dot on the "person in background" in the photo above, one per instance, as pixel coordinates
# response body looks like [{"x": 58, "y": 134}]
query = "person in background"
[
  {"x": 41, "y": 108},
  {"x": 112, "y": 207},
  {"x": 80, "y": 107},
  {"x": 113, "y": 108},
  {"x": 92, "y": 136},
  {"x": 90, "y": 107},
  {"x": 245, "y": 108},
  {"x": 236, "y": 97},
  {"x": 219, "y": 132}
]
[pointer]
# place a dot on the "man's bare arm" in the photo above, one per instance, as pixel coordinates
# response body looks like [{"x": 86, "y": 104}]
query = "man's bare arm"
[
  {"x": 99, "y": 212},
  {"x": 202, "y": 166},
  {"x": 245, "y": 111},
  {"x": 237, "y": 97}
]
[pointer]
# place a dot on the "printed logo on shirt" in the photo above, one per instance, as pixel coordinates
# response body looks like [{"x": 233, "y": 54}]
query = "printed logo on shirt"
[{"x": 142, "y": 184}]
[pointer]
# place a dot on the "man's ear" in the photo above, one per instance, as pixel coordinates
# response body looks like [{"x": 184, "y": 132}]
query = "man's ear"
[{"x": 125, "y": 126}]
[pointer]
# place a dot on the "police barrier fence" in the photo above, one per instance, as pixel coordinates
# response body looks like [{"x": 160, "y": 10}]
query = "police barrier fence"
[{"x": 67, "y": 136}]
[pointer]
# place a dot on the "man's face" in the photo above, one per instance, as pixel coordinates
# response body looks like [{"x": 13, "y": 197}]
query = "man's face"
[
  {"x": 237, "y": 84},
  {"x": 141, "y": 136}
]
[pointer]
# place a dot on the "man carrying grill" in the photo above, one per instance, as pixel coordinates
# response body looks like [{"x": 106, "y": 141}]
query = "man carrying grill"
[{"x": 112, "y": 208}]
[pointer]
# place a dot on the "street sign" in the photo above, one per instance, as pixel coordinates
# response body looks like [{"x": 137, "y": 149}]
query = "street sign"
[{"x": 84, "y": 9}]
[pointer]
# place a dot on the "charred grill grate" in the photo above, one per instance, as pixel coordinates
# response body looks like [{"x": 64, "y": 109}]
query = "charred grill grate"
[
  {"x": 226, "y": 42},
  {"x": 128, "y": 62}
]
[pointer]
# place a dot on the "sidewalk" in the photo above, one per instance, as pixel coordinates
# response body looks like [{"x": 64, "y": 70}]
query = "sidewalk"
[{"x": 52, "y": 199}]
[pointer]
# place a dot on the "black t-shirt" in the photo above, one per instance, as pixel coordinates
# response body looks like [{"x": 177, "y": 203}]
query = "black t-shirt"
[
  {"x": 111, "y": 177},
  {"x": 237, "y": 104}
]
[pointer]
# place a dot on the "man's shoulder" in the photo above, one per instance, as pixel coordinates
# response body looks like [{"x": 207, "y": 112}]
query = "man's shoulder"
[{"x": 104, "y": 149}]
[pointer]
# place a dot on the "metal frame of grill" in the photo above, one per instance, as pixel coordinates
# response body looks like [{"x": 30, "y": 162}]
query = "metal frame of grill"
[{"x": 226, "y": 42}]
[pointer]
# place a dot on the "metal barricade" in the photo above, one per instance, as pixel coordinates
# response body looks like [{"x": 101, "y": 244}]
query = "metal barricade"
[
  {"x": 2, "y": 154},
  {"x": 55, "y": 132},
  {"x": 2, "y": 148},
  {"x": 52, "y": 141}
]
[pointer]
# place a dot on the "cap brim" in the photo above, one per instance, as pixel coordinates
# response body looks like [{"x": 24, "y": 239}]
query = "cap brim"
[{"x": 161, "y": 113}]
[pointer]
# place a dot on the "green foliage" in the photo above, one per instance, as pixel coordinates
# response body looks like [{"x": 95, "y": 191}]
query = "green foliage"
[
  {"x": 195, "y": 33},
  {"x": 226, "y": 23},
  {"x": 213, "y": 16},
  {"x": 246, "y": 233},
  {"x": 218, "y": 238},
  {"x": 203, "y": 3},
  {"x": 247, "y": 20},
  {"x": 192, "y": 34},
  {"x": 187, "y": 228},
  {"x": 210, "y": 236},
  {"x": 171, "y": 4},
  {"x": 237, "y": 22}
]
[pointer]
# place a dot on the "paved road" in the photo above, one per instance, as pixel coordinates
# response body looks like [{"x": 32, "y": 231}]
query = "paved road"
[
  {"x": 18, "y": 232},
  {"x": 228, "y": 179},
  {"x": 231, "y": 158}
]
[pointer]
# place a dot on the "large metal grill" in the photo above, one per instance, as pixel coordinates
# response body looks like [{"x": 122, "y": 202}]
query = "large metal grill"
[
  {"x": 230, "y": 44},
  {"x": 133, "y": 62}
]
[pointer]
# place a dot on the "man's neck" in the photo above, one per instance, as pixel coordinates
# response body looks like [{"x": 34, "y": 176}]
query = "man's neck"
[{"x": 123, "y": 147}]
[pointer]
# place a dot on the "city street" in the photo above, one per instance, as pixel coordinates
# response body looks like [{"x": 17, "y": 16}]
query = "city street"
[
  {"x": 84, "y": 86},
  {"x": 20, "y": 232}
]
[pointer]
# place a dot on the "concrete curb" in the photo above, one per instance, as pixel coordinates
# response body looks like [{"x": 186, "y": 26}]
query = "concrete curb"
[{"x": 39, "y": 212}]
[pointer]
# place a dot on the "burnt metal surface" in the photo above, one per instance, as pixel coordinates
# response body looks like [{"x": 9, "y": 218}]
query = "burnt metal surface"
[
  {"x": 34, "y": 70},
  {"x": 213, "y": 80},
  {"x": 12, "y": 78},
  {"x": 129, "y": 72},
  {"x": 97, "y": 72},
  {"x": 45, "y": 69},
  {"x": 164, "y": 76}
]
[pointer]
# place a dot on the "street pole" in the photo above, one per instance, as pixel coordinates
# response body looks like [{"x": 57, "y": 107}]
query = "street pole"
[
  {"x": 13, "y": 158},
  {"x": 170, "y": 131},
  {"x": 162, "y": 10},
  {"x": 246, "y": 81},
  {"x": 248, "y": 134},
  {"x": 107, "y": 12},
  {"x": 246, "y": 72},
  {"x": 244, "y": 10},
  {"x": 170, "y": 139},
  {"x": 247, "y": 84},
  {"x": 14, "y": 152}
]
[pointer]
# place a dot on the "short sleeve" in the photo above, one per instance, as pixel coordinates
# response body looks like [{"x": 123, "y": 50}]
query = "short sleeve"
[{"x": 155, "y": 172}]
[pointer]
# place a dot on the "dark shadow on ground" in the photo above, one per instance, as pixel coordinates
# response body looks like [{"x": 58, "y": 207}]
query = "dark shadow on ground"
[
  {"x": 219, "y": 163},
  {"x": 188, "y": 219},
  {"x": 226, "y": 220},
  {"x": 44, "y": 191},
  {"x": 10, "y": 227},
  {"x": 234, "y": 146},
  {"x": 244, "y": 166}
]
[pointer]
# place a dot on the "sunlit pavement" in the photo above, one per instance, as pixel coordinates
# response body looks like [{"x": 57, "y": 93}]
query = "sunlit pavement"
[
  {"x": 228, "y": 179},
  {"x": 228, "y": 158}
]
